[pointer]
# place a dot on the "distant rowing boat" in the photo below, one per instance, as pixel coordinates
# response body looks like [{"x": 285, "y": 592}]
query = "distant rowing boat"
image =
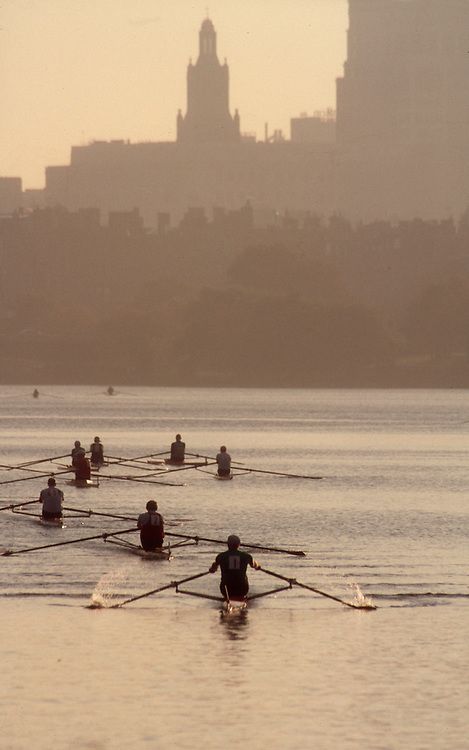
[
  {"x": 84, "y": 483},
  {"x": 161, "y": 553},
  {"x": 176, "y": 464}
]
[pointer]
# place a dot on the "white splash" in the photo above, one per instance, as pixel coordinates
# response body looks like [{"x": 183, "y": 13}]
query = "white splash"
[
  {"x": 105, "y": 592},
  {"x": 359, "y": 599}
]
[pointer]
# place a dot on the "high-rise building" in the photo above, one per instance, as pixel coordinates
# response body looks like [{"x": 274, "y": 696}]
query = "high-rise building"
[
  {"x": 403, "y": 109},
  {"x": 208, "y": 118}
]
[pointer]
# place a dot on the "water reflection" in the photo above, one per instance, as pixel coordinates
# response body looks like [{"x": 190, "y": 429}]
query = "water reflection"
[{"x": 235, "y": 624}]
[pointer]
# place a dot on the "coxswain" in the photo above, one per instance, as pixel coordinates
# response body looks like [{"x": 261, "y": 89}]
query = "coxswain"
[
  {"x": 233, "y": 564},
  {"x": 97, "y": 452},
  {"x": 76, "y": 452},
  {"x": 178, "y": 449},
  {"x": 52, "y": 500},
  {"x": 82, "y": 467},
  {"x": 224, "y": 462},
  {"x": 151, "y": 527}
]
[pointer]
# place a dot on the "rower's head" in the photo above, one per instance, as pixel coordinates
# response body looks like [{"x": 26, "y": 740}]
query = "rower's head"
[
  {"x": 96, "y": 440},
  {"x": 77, "y": 444},
  {"x": 152, "y": 505},
  {"x": 51, "y": 482},
  {"x": 223, "y": 448},
  {"x": 233, "y": 541},
  {"x": 178, "y": 437}
]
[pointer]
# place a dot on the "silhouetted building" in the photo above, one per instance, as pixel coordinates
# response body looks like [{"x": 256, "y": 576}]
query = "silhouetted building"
[
  {"x": 209, "y": 164},
  {"x": 403, "y": 109},
  {"x": 208, "y": 117},
  {"x": 317, "y": 129},
  {"x": 11, "y": 196}
]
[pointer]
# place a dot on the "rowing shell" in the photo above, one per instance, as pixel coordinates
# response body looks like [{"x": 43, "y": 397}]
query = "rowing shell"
[
  {"x": 161, "y": 553},
  {"x": 234, "y": 606},
  {"x": 156, "y": 554},
  {"x": 57, "y": 522},
  {"x": 177, "y": 464},
  {"x": 84, "y": 483}
]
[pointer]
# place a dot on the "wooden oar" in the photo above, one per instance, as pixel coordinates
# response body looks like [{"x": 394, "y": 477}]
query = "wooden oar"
[
  {"x": 186, "y": 468},
  {"x": 136, "y": 458},
  {"x": 210, "y": 458},
  {"x": 126, "y": 462},
  {"x": 263, "y": 471},
  {"x": 197, "y": 538},
  {"x": 70, "y": 541},
  {"x": 136, "y": 479},
  {"x": 26, "y": 468},
  {"x": 172, "y": 585},
  {"x": 19, "y": 505},
  {"x": 37, "y": 476},
  {"x": 43, "y": 460},
  {"x": 90, "y": 512},
  {"x": 294, "y": 582}
]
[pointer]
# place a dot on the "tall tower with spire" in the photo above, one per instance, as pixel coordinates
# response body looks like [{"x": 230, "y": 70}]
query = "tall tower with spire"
[{"x": 208, "y": 118}]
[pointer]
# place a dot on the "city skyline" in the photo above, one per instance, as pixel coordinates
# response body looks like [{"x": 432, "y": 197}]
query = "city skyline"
[{"x": 130, "y": 79}]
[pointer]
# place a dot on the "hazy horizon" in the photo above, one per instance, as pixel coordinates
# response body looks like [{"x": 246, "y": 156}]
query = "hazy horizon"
[{"x": 74, "y": 72}]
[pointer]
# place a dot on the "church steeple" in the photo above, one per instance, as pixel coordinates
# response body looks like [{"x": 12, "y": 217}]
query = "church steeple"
[
  {"x": 207, "y": 40},
  {"x": 208, "y": 117}
]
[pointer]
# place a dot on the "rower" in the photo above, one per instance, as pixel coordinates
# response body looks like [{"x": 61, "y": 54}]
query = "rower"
[
  {"x": 97, "y": 452},
  {"x": 82, "y": 467},
  {"x": 76, "y": 452},
  {"x": 224, "y": 462},
  {"x": 35, "y": 393},
  {"x": 178, "y": 449},
  {"x": 151, "y": 527},
  {"x": 52, "y": 500},
  {"x": 233, "y": 564}
]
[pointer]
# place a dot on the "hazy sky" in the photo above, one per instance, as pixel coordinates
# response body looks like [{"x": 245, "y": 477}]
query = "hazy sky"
[{"x": 72, "y": 71}]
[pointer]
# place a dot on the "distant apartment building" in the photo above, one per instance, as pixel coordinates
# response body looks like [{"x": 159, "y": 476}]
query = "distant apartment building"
[
  {"x": 403, "y": 109},
  {"x": 11, "y": 195},
  {"x": 320, "y": 128}
]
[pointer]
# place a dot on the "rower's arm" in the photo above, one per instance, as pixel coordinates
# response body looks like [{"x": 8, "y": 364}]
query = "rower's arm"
[{"x": 213, "y": 567}]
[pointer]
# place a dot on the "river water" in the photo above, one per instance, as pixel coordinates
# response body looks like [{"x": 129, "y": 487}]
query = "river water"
[{"x": 388, "y": 522}]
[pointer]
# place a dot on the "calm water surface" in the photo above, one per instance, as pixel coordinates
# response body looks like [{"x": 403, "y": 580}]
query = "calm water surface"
[{"x": 298, "y": 670}]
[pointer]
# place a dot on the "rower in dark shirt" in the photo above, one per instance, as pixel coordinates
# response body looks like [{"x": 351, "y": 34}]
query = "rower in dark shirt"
[
  {"x": 233, "y": 564},
  {"x": 151, "y": 527},
  {"x": 178, "y": 449},
  {"x": 97, "y": 452},
  {"x": 77, "y": 452},
  {"x": 82, "y": 468}
]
